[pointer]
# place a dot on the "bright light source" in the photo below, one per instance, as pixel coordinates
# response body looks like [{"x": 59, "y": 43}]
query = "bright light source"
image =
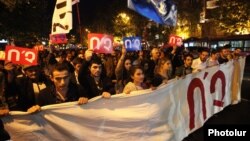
[{"x": 3, "y": 41}]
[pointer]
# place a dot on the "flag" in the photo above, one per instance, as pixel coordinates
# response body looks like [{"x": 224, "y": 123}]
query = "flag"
[
  {"x": 75, "y": 1},
  {"x": 160, "y": 11},
  {"x": 62, "y": 17}
]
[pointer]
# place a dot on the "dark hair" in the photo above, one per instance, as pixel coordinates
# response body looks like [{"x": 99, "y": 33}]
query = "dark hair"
[
  {"x": 238, "y": 48},
  {"x": 133, "y": 69},
  {"x": 187, "y": 55},
  {"x": 214, "y": 51},
  {"x": 95, "y": 60},
  {"x": 204, "y": 50},
  {"x": 227, "y": 46},
  {"x": 77, "y": 61},
  {"x": 59, "y": 67}
]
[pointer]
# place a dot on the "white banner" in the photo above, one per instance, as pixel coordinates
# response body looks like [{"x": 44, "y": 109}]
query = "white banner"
[
  {"x": 168, "y": 113},
  {"x": 62, "y": 17}
]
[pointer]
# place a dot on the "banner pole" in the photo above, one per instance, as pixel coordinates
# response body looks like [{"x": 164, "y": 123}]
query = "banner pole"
[{"x": 79, "y": 22}]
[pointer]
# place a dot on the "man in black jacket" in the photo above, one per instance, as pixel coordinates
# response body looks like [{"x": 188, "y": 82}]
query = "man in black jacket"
[
  {"x": 63, "y": 89},
  {"x": 29, "y": 85},
  {"x": 93, "y": 79}
]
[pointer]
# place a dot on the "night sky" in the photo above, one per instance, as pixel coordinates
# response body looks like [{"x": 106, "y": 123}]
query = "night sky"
[{"x": 94, "y": 9}]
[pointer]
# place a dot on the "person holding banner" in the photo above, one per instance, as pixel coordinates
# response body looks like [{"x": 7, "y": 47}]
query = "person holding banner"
[
  {"x": 213, "y": 59},
  {"x": 186, "y": 68},
  {"x": 200, "y": 63},
  {"x": 63, "y": 89},
  {"x": 224, "y": 53},
  {"x": 93, "y": 79},
  {"x": 136, "y": 80},
  {"x": 29, "y": 85}
]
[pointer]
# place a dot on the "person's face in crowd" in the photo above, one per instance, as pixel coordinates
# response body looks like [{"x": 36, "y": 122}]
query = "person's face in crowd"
[
  {"x": 225, "y": 53},
  {"x": 204, "y": 56},
  {"x": 155, "y": 53},
  {"x": 140, "y": 53},
  {"x": 188, "y": 61},
  {"x": 167, "y": 65},
  {"x": 60, "y": 59},
  {"x": 96, "y": 70},
  {"x": 215, "y": 56},
  {"x": 32, "y": 72},
  {"x": 127, "y": 64},
  {"x": 77, "y": 67},
  {"x": 162, "y": 55},
  {"x": 138, "y": 76},
  {"x": 61, "y": 79},
  {"x": 69, "y": 57},
  {"x": 237, "y": 51}
]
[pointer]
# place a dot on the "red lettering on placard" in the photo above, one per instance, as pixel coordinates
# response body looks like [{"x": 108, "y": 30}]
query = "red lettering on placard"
[
  {"x": 58, "y": 38},
  {"x": 195, "y": 83},
  {"x": 218, "y": 75},
  {"x": 100, "y": 43},
  {"x": 175, "y": 40},
  {"x": 21, "y": 55}
]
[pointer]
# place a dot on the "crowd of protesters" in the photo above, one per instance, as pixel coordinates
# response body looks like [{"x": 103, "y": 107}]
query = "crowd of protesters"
[{"x": 79, "y": 75}]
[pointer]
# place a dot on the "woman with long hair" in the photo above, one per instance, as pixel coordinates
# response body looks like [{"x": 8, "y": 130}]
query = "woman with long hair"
[{"x": 163, "y": 72}]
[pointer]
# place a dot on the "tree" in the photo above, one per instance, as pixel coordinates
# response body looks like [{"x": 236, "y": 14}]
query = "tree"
[
  {"x": 11, "y": 4},
  {"x": 25, "y": 19},
  {"x": 188, "y": 22},
  {"x": 123, "y": 25},
  {"x": 233, "y": 16}
]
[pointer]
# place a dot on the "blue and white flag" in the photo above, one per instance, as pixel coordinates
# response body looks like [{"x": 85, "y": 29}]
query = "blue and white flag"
[{"x": 160, "y": 11}]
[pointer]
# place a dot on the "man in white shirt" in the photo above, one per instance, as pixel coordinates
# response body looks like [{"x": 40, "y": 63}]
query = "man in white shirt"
[{"x": 200, "y": 62}]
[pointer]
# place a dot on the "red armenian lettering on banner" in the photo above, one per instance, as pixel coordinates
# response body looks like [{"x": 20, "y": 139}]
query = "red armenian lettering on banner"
[
  {"x": 58, "y": 38},
  {"x": 175, "y": 40},
  {"x": 2, "y": 55},
  {"x": 21, "y": 55},
  {"x": 197, "y": 83},
  {"x": 100, "y": 43}
]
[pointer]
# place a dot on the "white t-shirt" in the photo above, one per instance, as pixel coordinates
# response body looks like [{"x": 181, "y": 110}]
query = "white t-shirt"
[{"x": 198, "y": 64}]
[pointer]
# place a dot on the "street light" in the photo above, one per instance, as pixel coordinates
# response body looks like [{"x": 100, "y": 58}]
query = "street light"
[
  {"x": 87, "y": 30},
  {"x": 124, "y": 17}
]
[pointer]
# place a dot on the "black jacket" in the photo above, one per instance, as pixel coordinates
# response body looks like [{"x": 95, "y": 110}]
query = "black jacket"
[
  {"x": 26, "y": 95},
  {"x": 49, "y": 96},
  {"x": 88, "y": 82}
]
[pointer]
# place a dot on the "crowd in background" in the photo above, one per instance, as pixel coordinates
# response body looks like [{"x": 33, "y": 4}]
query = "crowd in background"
[{"x": 79, "y": 75}]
